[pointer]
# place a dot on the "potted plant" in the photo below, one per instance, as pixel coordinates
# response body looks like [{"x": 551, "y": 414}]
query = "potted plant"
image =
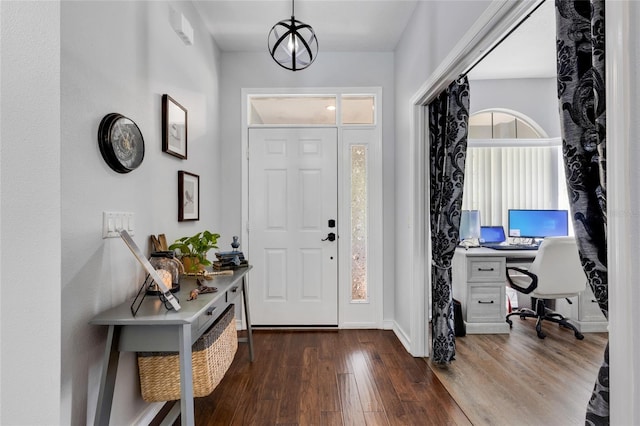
[{"x": 193, "y": 250}]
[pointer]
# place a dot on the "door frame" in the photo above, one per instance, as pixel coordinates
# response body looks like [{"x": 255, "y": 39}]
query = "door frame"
[
  {"x": 350, "y": 314},
  {"x": 499, "y": 17}
]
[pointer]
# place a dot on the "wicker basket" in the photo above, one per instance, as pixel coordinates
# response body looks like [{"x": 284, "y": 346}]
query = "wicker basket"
[{"x": 212, "y": 355}]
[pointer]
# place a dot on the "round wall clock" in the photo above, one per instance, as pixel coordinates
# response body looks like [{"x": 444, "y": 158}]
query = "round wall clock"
[{"x": 121, "y": 143}]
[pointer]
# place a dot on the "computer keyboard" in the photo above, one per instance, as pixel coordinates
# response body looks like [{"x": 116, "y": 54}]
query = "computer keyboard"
[{"x": 511, "y": 246}]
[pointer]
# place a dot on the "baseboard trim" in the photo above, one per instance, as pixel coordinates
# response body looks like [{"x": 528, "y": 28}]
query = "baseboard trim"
[{"x": 400, "y": 334}]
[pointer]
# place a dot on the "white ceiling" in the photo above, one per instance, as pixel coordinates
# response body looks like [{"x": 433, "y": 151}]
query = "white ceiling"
[
  {"x": 528, "y": 52},
  {"x": 341, "y": 26},
  {"x": 374, "y": 25}
]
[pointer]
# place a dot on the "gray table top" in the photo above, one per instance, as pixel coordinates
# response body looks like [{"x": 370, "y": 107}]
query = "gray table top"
[{"x": 153, "y": 312}]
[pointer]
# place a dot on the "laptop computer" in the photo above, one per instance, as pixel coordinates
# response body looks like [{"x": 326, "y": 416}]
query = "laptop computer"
[{"x": 492, "y": 235}]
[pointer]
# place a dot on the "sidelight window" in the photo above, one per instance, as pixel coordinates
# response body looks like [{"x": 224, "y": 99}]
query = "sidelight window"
[{"x": 359, "y": 203}]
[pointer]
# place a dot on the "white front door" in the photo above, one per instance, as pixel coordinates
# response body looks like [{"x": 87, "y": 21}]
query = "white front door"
[{"x": 292, "y": 203}]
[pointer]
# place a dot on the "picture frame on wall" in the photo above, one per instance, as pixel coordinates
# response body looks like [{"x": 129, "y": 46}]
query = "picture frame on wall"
[
  {"x": 174, "y": 127},
  {"x": 188, "y": 196}
]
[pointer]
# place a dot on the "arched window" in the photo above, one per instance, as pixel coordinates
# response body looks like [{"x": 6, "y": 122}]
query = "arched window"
[
  {"x": 511, "y": 164},
  {"x": 503, "y": 124}
]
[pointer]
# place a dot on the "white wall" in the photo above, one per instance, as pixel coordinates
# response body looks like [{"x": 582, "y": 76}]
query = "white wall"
[
  {"x": 257, "y": 70},
  {"x": 30, "y": 213},
  {"x": 433, "y": 31},
  {"x": 537, "y": 98},
  {"x": 121, "y": 57}
]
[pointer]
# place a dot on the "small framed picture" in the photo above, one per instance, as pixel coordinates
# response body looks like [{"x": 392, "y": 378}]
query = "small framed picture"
[
  {"x": 174, "y": 127},
  {"x": 188, "y": 196}
]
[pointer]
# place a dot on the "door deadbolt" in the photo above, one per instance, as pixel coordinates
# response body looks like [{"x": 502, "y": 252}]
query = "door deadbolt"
[{"x": 330, "y": 237}]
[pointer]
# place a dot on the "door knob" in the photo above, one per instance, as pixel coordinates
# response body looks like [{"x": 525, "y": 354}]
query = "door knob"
[{"x": 330, "y": 237}]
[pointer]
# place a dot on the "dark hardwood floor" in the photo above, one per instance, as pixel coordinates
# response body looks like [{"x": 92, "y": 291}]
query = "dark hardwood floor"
[{"x": 366, "y": 377}]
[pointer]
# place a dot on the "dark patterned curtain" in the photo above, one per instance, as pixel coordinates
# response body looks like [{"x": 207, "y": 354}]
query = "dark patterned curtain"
[
  {"x": 448, "y": 129},
  {"x": 580, "y": 48}
]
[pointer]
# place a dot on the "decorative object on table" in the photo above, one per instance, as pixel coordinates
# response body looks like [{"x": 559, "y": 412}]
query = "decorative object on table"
[
  {"x": 202, "y": 289},
  {"x": 174, "y": 127},
  {"x": 121, "y": 143},
  {"x": 292, "y": 43},
  {"x": 188, "y": 196},
  {"x": 229, "y": 260},
  {"x": 209, "y": 275},
  {"x": 193, "y": 250},
  {"x": 165, "y": 260},
  {"x": 235, "y": 244},
  {"x": 211, "y": 356},
  {"x": 159, "y": 243},
  {"x": 162, "y": 278}
]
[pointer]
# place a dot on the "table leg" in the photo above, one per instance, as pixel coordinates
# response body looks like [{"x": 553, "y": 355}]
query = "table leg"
[
  {"x": 245, "y": 299},
  {"x": 108, "y": 378},
  {"x": 186, "y": 377}
]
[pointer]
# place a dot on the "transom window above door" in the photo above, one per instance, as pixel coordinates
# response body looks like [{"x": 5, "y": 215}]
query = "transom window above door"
[{"x": 312, "y": 110}]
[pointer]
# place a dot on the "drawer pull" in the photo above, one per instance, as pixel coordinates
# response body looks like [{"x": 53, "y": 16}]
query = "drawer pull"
[
  {"x": 594, "y": 301},
  {"x": 485, "y": 269},
  {"x": 234, "y": 289},
  {"x": 485, "y": 303},
  {"x": 210, "y": 310}
]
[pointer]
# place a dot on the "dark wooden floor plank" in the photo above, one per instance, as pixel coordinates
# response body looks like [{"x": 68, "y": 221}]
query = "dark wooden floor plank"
[
  {"x": 331, "y": 418},
  {"x": 393, "y": 407},
  {"x": 289, "y": 405},
  {"x": 376, "y": 418},
  {"x": 367, "y": 390},
  {"x": 328, "y": 396},
  {"x": 352, "y": 413}
]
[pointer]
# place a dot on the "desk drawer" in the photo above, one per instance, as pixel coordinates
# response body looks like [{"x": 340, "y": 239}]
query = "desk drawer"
[
  {"x": 588, "y": 308},
  {"x": 486, "y": 269},
  {"x": 485, "y": 304},
  {"x": 206, "y": 319}
]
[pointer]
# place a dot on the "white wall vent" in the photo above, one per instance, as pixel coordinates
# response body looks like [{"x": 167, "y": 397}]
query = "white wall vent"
[{"x": 182, "y": 27}]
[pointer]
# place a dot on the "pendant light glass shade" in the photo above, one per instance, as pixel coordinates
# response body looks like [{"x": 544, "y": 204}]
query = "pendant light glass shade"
[{"x": 293, "y": 44}]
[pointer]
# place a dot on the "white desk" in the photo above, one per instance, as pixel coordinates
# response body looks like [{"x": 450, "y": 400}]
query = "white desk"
[{"x": 479, "y": 280}]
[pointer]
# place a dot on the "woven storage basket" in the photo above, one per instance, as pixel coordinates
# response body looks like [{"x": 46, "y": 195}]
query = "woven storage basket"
[{"x": 212, "y": 355}]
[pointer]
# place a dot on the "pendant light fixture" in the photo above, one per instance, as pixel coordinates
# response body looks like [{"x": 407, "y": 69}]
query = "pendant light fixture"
[{"x": 292, "y": 43}]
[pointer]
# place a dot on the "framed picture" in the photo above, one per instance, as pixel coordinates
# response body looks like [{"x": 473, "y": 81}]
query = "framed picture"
[
  {"x": 188, "y": 196},
  {"x": 174, "y": 127}
]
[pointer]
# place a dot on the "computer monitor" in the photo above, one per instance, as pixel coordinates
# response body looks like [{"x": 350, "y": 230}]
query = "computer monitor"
[
  {"x": 469, "y": 225},
  {"x": 538, "y": 223}
]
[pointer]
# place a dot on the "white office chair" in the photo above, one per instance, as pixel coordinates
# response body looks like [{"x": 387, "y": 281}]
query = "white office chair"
[{"x": 556, "y": 273}]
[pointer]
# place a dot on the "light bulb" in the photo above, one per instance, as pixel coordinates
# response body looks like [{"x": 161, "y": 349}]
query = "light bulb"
[{"x": 292, "y": 45}]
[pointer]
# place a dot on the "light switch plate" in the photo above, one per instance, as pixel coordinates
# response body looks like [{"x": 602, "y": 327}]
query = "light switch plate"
[{"x": 114, "y": 222}]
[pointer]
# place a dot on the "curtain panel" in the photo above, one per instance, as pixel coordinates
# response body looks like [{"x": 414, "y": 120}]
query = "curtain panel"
[
  {"x": 448, "y": 130},
  {"x": 580, "y": 49}
]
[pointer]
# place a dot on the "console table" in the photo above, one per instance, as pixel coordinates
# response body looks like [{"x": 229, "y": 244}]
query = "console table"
[{"x": 156, "y": 329}]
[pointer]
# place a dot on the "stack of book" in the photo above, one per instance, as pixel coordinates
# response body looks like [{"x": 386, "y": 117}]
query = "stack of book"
[{"x": 229, "y": 260}]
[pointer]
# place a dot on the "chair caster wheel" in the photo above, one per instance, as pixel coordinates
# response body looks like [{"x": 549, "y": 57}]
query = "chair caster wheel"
[
  {"x": 541, "y": 335},
  {"x": 579, "y": 335},
  {"x": 510, "y": 323}
]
